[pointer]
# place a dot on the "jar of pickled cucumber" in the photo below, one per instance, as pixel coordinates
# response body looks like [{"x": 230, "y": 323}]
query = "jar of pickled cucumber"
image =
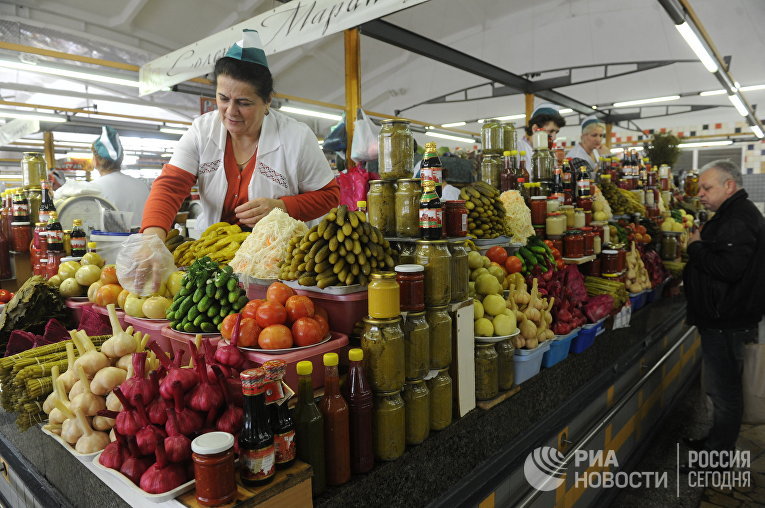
[
  {"x": 389, "y": 429},
  {"x": 491, "y": 167},
  {"x": 384, "y": 353},
  {"x": 417, "y": 408},
  {"x": 486, "y": 376},
  {"x": 440, "y": 328},
  {"x": 492, "y": 137},
  {"x": 434, "y": 256},
  {"x": 508, "y": 137},
  {"x": 505, "y": 364},
  {"x": 460, "y": 271},
  {"x": 396, "y": 150},
  {"x": 416, "y": 345},
  {"x": 381, "y": 206},
  {"x": 440, "y": 400},
  {"x": 407, "y": 207}
]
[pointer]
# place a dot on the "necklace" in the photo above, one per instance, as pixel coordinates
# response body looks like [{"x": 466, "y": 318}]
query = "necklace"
[{"x": 241, "y": 164}]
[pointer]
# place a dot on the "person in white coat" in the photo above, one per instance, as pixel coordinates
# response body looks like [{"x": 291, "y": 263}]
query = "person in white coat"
[
  {"x": 126, "y": 193},
  {"x": 586, "y": 152},
  {"x": 545, "y": 117},
  {"x": 246, "y": 158}
]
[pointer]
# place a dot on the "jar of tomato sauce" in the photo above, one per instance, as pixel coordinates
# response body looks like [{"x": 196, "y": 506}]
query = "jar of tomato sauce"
[
  {"x": 609, "y": 262},
  {"x": 456, "y": 218},
  {"x": 22, "y": 236},
  {"x": 589, "y": 240},
  {"x": 573, "y": 244},
  {"x": 214, "y": 471},
  {"x": 538, "y": 210},
  {"x": 411, "y": 283}
]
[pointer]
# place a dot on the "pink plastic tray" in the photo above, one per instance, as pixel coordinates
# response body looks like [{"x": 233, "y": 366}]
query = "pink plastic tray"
[
  {"x": 180, "y": 341},
  {"x": 153, "y": 329},
  {"x": 120, "y": 314},
  {"x": 343, "y": 311},
  {"x": 77, "y": 308}
]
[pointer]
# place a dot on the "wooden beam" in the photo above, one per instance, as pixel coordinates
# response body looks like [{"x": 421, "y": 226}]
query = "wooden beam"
[
  {"x": 529, "y": 107},
  {"x": 89, "y": 112},
  {"x": 609, "y": 128},
  {"x": 49, "y": 154},
  {"x": 352, "y": 85}
]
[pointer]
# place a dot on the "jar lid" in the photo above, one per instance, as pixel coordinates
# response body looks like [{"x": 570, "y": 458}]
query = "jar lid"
[
  {"x": 396, "y": 120},
  {"x": 361, "y": 204},
  {"x": 21, "y": 223},
  {"x": 438, "y": 307},
  {"x": 567, "y": 207},
  {"x": 92, "y": 245},
  {"x": 391, "y": 182},
  {"x": 578, "y": 209},
  {"x": 409, "y": 268},
  {"x": 415, "y": 314},
  {"x": 375, "y": 321},
  {"x": 304, "y": 368},
  {"x": 455, "y": 202},
  {"x": 387, "y": 394},
  {"x": 418, "y": 381},
  {"x": 553, "y": 197},
  {"x": 40, "y": 224},
  {"x": 609, "y": 252},
  {"x": 428, "y": 242},
  {"x": 538, "y": 198},
  {"x": 574, "y": 232},
  {"x": 586, "y": 229},
  {"x": 409, "y": 180},
  {"x": 212, "y": 443},
  {"x": 356, "y": 354},
  {"x": 553, "y": 214},
  {"x": 383, "y": 275}
]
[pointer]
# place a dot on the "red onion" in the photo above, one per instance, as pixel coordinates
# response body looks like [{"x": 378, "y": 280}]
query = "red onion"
[
  {"x": 187, "y": 377},
  {"x": 149, "y": 435},
  {"x": 205, "y": 396},
  {"x": 134, "y": 466},
  {"x": 232, "y": 418},
  {"x": 127, "y": 421},
  {"x": 138, "y": 384},
  {"x": 229, "y": 354},
  {"x": 187, "y": 421},
  {"x": 234, "y": 388},
  {"x": 209, "y": 425},
  {"x": 209, "y": 351},
  {"x": 162, "y": 476},
  {"x": 177, "y": 446},
  {"x": 156, "y": 409},
  {"x": 115, "y": 453}
]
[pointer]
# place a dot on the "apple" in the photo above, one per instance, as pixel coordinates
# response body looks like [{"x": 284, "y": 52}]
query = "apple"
[
  {"x": 121, "y": 298},
  {"x": 108, "y": 293},
  {"x": 87, "y": 275},
  {"x": 109, "y": 274},
  {"x": 92, "y": 258},
  {"x": 174, "y": 282},
  {"x": 134, "y": 305},
  {"x": 93, "y": 290},
  {"x": 155, "y": 307},
  {"x": 70, "y": 288}
]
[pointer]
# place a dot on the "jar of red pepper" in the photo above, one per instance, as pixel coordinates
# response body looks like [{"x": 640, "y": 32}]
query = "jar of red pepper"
[
  {"x": 609, "y": 262},
  {"x": 214, "y": 470},
  {"x": 595, "y": 267},
  {"x": 573, "y": 244},
  {"x": 54, "y": 260},
  {"x": 621, "y": 260},
  {"x": 411, "y": 282},
  {"x": 589, "y": 240},
  {"x": 22, "y": 236},
  {"x": 456, "y": 216},
  {"x": 557, "y": 243},
  {"x": 538, "y": 210}
]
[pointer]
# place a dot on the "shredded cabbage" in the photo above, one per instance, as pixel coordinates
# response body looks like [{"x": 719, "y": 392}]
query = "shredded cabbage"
[
  {"x": 260, "y": 254},
  {"x": 517, "y": 217}
]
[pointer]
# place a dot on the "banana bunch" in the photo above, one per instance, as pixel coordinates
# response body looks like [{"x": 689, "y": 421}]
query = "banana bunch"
[
  {"x": 219, "y": 242},
  {"x": 174, "y": 239},
  {"x": 343, "y": 249},
  {"x": 621, "y": 201},
  {"x": 486, "y": 213}
]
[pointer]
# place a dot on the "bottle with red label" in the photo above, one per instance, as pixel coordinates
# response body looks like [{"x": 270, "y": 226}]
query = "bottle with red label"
[
  {"x": 256, "y": 441},
  {"x": 20, "y": 206},
  {"x": 284, "y": 435},
  {"x": 431, "y": 167},
  {"x": 54, "y": 234},
  {"x": 431, "y": 212},
  {"x": 46, "y": 202},
  {"x": 77, "y": 239}
]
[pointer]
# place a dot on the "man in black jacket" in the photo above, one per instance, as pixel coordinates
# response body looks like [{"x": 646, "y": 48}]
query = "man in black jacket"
[{"x": 723, "y": 287}]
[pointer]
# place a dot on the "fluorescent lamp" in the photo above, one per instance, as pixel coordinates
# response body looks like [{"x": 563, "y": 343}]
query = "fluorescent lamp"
[
  {"x": 453, "y": 124},
  {"x": 308, "y": 112},
  {"x": 169, "y": 154},
  {"x": 31, "y": 115},
  {"x": 171, "y": 130},
  {"x": 594, "y": 107},
  {"x": 449, "y": 136},
  {"x": 712, "y": 92},
  {"x": 697, "y": 46},
  {"x": 646, "y": 101},
  {"x": 80, "y": 155},
  {"x": 738, "y": 104},
  {"x": 705, "y": 143},
  {"x": 757, "y": 131},
  {"x": 751, "y": 88},
  {"x": 566, "y": 111},
  {"x": 481, "y": 120},
  {"x": 617, "y": 150},
  {"x": 68, "y": 72},
  {"x": 510, "y": 117}
]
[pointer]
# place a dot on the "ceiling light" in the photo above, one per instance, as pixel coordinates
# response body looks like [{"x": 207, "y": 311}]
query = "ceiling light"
[
  {"x": 566, "y": 111},
  {"x": 453, "y": 124},
  {"x": 510, "y": 117},
  {"x": 68, "y": 72},
  {"x": 617, "y": 150},
  {"x": 594, "y": 107},
  {"x": 757, "y": 131},
  {"x": 481, "y": 120},
  {"x": 751, "y": 88},
  {"x": 31, "y": 115},
  {"x": 738, "y": 104},
  {"x": 449, "y": 136},
  {"x": 705, "y": 143},
  {"x": 712, "y": 92},
  {"x": 171, "y": 130},
  {"x": 697, "y": 46},
  {"x": 646, "y": 101},
  {"x": 308, "y": 112},
  {"x": 169, "y": 154}
]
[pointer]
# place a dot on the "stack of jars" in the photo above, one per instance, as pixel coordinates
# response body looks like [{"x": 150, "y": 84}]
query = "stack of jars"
[
  {"x": 494, "y": 368},
  {"x": 393, "y": 202}
]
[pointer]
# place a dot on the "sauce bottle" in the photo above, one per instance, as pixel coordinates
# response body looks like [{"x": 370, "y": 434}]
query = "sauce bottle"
[
  {"x": 46, "y": 202},
  {"x": 77, "y": 239},
  {"x": 358, "y": 394},
  {"x": 20, "y": 207},
  {"x": 309, "y": 428},
  {"x": 507, "y": 176},
  {"x": 523, "y": 172},
  {"x": 334, "y": 409},
  {"x": 284, "y": 435},
  {"x": 54, "y": 234},
  {"x": 256, "y": 441},
  {"x": 431, "y": 212},
  {"x": 431, "y": 167}
]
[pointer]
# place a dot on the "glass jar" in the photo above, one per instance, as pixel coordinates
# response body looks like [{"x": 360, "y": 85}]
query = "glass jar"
[
  {"x": 381, "y": 212},
  {"x": 579, "y": 218},
  {"x": 434, "y": 256},
  {"x": 692, "y": 183},
  {"x": 539, "y": 231},
  {"x": 456, "y": 218},
  {"x": 416, "y": 345},
  {"x": 411, "y": 283},
  {"x": 557, "y": 243},
  {"x": 505, "y": 364},
  {"x": 417, "y": 410},
  {"x": 598, "y": 240},
  {"x": 573, "y": 244},
  {"x": 508, "y": 137},
  {"x": 407, "y": 207},
  {"x": 491, "y": 167},
  {"x": 609, "y": 262},
  {"x": 22, "y": 236},
  {"x": 538, "y": 210},
  {"x": 568, "y": 211},
  {"x": 587, "y": 217},
  {"x": 585, "y": 203},
  {"x": 553, "y": 204},
  {"x": 384, "y": 296},
  {"x": 440, "y": 324},
  {"x": 460, "y": 271},
  {"x": 396, "y": 150},
  {"x": 54, "y": 261},
  {"x": 383, "y": 346},
  {"x": 406, "y": 253},
  {"x": 555, "y": 224},
  {"x": 20, "y": 207},
  {"x": 589, "y": 240},
  {"x": 33, "y": 169},
  {"x": 492, "y": 138},
  {"x": 621, "y": 259},
  {"x": 34, "y": 196},
  {"x": 669, "y": 245},
  {"x": 440, "y": 400},
  {"x": 389, "y": 425},
  {"x": 486, "y": 375},
  {"x": 214, "y": 470}
]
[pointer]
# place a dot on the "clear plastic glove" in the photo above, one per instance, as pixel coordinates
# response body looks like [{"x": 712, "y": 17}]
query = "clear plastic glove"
[{"x": 143, "y": 264}]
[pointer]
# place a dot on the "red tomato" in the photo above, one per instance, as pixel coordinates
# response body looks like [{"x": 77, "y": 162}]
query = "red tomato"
[
  {"x": 248, "y": 311},
  {"x": 513, "y": 264},
  {"x": 498, "y": 254},
  {"x": 5, "y": 296},
  {"x": 318, "y": 310},
  {"x": 555, "y": 252},
  {"x": 279, "y": 292},
  {"x": 227, "y": 326},
  {"x": 108, "y": 293},
  {"x": 270, "y": 313},
  {"x": 549, "y": 243},
  {"x": 560, "y": 264},
  {"x": 307, "y": 331},
  {"x": 324, "y": 324},
  {"x": 249, "y": 331},
  {"x": 299, "y": 306},
  {"x": 275, "y": 337}
]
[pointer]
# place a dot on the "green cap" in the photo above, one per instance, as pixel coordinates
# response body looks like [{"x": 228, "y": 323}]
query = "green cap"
[{"x": 249, "y": 49}]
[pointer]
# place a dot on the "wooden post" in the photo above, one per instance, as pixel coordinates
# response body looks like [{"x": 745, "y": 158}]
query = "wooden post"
[
  {"x": 49, "y": 154},
  {"x": 609, "y": 128},
  {"x": 352, "y": 85},
  {"x": 529, "y": 107}
]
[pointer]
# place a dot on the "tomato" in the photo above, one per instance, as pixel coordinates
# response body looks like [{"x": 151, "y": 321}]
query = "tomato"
[
  {"x": 275, "y": 337},
  {"x": 249, "y": 331},
  {"x": 498, "y": 254},
  {"x": 279, "y": 292},
  {"x": 324, "y": 324},
  {"x": 560, "y": 264},
  {"x": 318, "y": 310},
  {"x": 513, "y": 264},
  {"x": 5, "y": 296},
  {"x": 270, "y": 313},
  {"x": 108, "y": 293},
  {"x": 252, "y": 306},
  {"x": 549, "y": 243},
  {"x": 555, "y": 252},
  {"x": 227, "y": 326},
  {"x": 307, "y": 331},
  {"x": 299, "y": 306},
  {"x": 109, "y": 274}
]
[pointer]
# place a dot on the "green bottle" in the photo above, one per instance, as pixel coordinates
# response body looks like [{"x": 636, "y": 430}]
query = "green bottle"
[{"x": 309, "y": 428}]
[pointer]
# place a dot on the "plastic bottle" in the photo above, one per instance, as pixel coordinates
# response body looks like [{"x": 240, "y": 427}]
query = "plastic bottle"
[
  {"x": 309, "y": 428},
  {"x": 334, "y": 409},
  {"x": 360, "y": 400}
]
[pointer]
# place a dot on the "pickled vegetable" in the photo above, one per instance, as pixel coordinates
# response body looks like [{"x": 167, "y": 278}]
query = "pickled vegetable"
[
  {"x": 486, "y": 377},
  {"x": 440, "y": 400},
  {"x": 435, "y": 257},
  {"x": 440, "y": 324},
  {"x": 381, "y": 210},
  {"x": 383, "y": 346},
  {"x": 389, "y": 425},
  {"x": 396, "y": 150},
  {"x": 407, "y": 208},
  {"x": 417, "y": 409},
  {"x": 416, "y": 346}
]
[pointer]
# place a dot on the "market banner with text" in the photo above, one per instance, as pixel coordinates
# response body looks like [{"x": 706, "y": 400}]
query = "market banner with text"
[{"x": 287, "y": 26}]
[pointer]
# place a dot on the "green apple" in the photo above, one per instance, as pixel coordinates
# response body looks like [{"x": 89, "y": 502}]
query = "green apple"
[
  {"x": 494, "y": 305},
  {"x": 474, "y": 260},
  {"x": 504, "y": 324},
  {"x": 487, "y": 284},
  {"x": 69, "y": 288},
  {"x": 477, "y": 309},
  {"x": 483, "y": 328},
  {"x": 134, "y": 305},
  {"x": 87, "y": 275}
]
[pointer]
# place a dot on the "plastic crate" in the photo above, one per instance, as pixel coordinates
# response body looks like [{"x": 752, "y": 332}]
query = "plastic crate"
[
  {"x": 638, "y": 300},
  {"x": 337, "y": 344},
  {"x": 120, "y": 314},
  {"x": 584, "y": 340},
  {"x": 77, "y": 308},
  {"x": 180, "y": 341},
  {"x": 343, "y": 311},
  {"x": 559, "y": 348},
  {"x": 528, "y": 362},
  {"x": 153, "y": 329}
]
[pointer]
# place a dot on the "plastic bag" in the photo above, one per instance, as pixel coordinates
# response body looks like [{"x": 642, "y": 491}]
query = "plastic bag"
[
  {"x": 365, "y": 145},
  {"x": 143, "y": 264},
  {"x": 354, "y": 184},
  {"x": 337, "y": 139}
]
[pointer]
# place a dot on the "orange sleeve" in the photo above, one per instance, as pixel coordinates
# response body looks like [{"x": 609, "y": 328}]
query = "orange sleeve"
[
  {"x": 312, "y": 205},
  {"x": 167, "y": 194}
]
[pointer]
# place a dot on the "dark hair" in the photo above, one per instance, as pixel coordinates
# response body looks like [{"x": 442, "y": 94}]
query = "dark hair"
[
  {"x": 542, "y": 119},
  {"x": 258, "y": 76},
  {"x": 107, "y": 164}
]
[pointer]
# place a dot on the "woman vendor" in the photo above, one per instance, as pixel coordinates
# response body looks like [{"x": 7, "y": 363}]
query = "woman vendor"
[
  {"x": 586, "y": 152},
  {"x": 246, "y": 158},
  {"x": 544, "y": 118}
]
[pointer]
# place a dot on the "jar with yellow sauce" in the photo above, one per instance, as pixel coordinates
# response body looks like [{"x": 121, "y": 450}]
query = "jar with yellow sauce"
[
  {"x": 417, "y": 408},
  {"x": 440, "y": 400},
  {"x": 384, "y": 353},
  {"x": 568, "y": 211},
  {"x": 440, "y": 324},
  {"x": 389, "y": 425},
  {"x": 384, "y": 296}
]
